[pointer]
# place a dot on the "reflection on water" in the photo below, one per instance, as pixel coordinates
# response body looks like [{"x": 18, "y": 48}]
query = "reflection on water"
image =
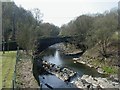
[
  {"x": 56, "y": 59},
  {"x": 66, "y": 61}
]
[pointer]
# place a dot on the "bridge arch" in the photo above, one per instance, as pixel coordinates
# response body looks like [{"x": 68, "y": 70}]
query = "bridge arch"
[{"x": 42, "y": 44}]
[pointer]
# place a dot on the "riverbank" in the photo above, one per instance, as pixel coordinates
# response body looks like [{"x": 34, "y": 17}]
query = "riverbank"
[
  {"x": 68, "y": 49},
  {"x": 103, "y": 67},
  {"x": 85, "y": 81},
  {"x": 93, "y": 59},
  {"x": 62, "y": 73},
  {"x": 24, "y": 73},
  {"x": 94, "y": 83}
]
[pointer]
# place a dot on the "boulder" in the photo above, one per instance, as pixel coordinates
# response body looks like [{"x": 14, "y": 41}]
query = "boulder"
[
  {"x": 84, "y": 77},
  {"x": 114, "y": 77},
  {"x": 100, "y": 82},
  {"x": 82, "y": 62},
  {"x": 104, "y": 83},
  {"x": 89, "y": 65},
  {"x": 100, "y": 70},
  {"x": 79, "y": 83},
  {"x": 75, "y": 58}
]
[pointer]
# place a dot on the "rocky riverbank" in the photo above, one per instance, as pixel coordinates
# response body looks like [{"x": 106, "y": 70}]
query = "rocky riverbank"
[
  {"x": 98, "y": 68},
  {"x": 83, "y": 82},
  {"x": 92, "y": 83},
  {"x": 61, "y": 72},
  {"x": 93, "y": 59},
  {"x": 68, "y": 49}
]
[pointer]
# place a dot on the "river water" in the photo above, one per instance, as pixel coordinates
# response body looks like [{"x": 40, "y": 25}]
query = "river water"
[{"x": 53, "y": 55}]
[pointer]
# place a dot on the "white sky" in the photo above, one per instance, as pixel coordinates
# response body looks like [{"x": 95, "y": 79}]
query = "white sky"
[{"x": 60, "y": 12}]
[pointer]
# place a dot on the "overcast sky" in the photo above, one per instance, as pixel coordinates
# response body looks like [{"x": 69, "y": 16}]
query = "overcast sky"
[{"x": 60, "y": 12}]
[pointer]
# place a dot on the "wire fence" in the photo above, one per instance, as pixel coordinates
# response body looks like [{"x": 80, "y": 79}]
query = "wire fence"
[{"x": 14, "y": 75}]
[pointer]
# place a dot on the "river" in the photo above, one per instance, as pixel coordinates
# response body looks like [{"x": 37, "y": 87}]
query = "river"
[{"x": 54, "y": 55}]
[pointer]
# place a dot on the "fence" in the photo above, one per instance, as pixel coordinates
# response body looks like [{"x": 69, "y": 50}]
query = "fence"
[{"x": 14, "y": 76}]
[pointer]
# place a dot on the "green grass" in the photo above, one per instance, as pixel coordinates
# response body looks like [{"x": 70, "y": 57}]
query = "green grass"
[
  {"x": 8, "y": 64},
  {"x": 107, "y": 68},
  {"x": 110, "y": 70}
]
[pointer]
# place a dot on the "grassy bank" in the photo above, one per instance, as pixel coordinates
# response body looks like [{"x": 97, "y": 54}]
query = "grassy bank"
[{"x": 7, "y": 64}]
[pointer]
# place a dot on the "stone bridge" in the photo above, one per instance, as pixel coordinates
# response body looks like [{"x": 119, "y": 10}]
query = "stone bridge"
[{"x": 44, "y": 43}]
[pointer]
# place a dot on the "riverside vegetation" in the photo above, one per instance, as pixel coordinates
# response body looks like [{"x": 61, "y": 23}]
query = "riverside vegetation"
[{"x": 97, "y": 35}]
